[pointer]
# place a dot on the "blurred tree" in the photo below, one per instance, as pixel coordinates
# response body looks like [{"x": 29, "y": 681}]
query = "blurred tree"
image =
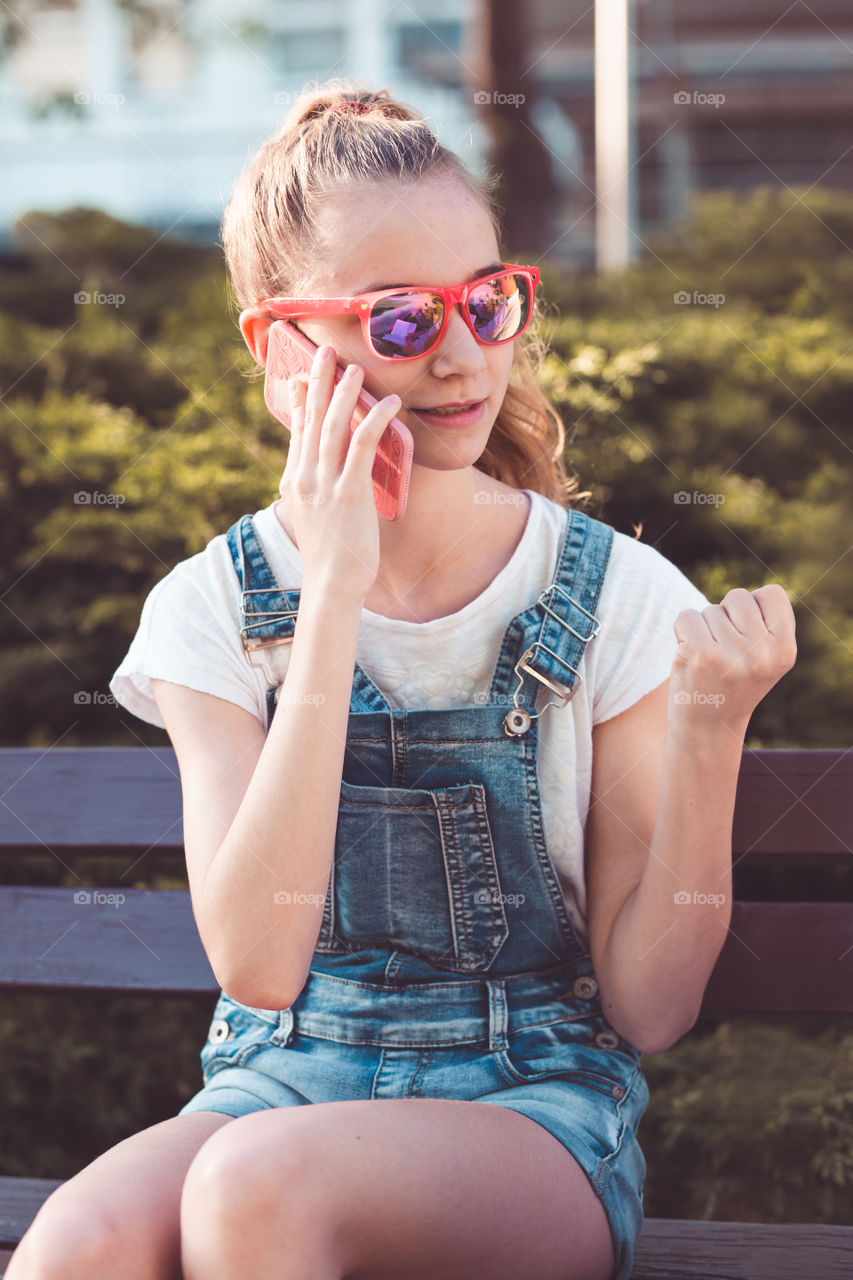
[{"x": 503, "y": 94}]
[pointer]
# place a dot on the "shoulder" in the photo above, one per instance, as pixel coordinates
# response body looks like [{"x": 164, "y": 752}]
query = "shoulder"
[
  {"x": 642, "y": 594},
  {"x": 204, "y": 583},
  {"x": 639, "y": 574}
]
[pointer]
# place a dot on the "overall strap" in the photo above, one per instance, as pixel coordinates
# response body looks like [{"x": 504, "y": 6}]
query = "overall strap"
[
  {"x": 561, "y": 623},
  {"x": 268, "y": 616},
  {"x": 267, "y": 611}
]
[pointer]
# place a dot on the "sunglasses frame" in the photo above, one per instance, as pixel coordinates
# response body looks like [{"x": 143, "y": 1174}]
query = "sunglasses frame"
[{"x": 362, "y": 304}]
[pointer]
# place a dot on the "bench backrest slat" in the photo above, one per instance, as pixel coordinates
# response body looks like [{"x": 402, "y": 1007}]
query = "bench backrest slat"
[
  {"x": 93, "y": 798},
  {"x": 786, "y": 957},
  {"x": 149, "y": 942},
  {"x": 794, "y": 802},
  {"x": 101, "y": 798}
]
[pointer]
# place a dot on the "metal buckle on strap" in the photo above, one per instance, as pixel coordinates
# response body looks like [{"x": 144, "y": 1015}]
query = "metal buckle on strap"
[
  {"x": 596, "y": 627},
  {"x": 249, "y": 644},
  {"x": 517, "y": 721},
  {"x": 565, "y": 695}
]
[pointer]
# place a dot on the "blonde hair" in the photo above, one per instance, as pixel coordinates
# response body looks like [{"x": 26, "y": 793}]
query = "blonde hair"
[{"x": 268, "y": 234}]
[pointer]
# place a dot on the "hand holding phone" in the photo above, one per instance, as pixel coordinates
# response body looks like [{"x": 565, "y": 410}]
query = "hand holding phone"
[
  {"x": 290, "y": 353},
  {"x": 329, "y": 499}
]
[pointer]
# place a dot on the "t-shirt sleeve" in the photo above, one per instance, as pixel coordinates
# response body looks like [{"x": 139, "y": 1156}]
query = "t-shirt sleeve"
[
  {"x": 188, "y": 638},
  {"x": 642, "y": 595}
]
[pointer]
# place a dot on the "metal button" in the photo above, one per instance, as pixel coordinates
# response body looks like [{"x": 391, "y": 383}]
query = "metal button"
[
  {"x": 607, "y": 1040},
  {"x": 516, "y": 722},
  {"x": 585, "y": 987},
  {"x": 618, "y": 1091},
  {"x": 220, "y": 1029}
]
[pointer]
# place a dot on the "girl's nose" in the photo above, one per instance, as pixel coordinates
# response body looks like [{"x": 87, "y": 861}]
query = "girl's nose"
[{"x": 459, "y": 350}]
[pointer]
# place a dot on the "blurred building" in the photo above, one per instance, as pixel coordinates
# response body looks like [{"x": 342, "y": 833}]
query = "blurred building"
[{"x": 149, "y": 109}]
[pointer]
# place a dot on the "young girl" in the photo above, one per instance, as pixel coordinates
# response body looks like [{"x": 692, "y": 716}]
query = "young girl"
[{"x": 458, "y": 839}]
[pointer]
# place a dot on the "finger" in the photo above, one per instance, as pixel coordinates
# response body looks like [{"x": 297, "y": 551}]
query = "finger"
[
  {"x": 775, "y": 605},
  {"x": 691, "y": 628},
  {"x": 317, "y": 400},
  {"x": 296, "y": 391},
  {"x": 719, "y": 623},
  {"x": 335, "y": 437},
  {"x": 365, "y": 439},
  {"x": 743, "y": 612}
]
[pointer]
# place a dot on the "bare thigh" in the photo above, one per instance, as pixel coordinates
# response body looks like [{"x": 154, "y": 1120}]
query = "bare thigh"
[
  {"x": 119, "y": 1217},
  {"x": 391, "y": 1188}
]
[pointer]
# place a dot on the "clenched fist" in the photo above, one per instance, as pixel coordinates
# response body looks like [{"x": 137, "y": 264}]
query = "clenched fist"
[{"x": 730, "y": 655}]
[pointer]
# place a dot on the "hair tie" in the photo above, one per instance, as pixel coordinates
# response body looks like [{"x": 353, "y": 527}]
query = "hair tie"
[{"x": 352, "y": 104}]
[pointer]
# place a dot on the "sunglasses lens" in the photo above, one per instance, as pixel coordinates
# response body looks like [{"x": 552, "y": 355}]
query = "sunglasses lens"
[
  {"x": 405, "y": 324},
  {"x": 499, "y": 307}
]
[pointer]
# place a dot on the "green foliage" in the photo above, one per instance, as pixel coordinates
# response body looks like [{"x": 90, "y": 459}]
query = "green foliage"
[
  {"x": 752, "y": 1123},
  {"x": 149, "y": 405},
  {"x": 80, "y": 1075},
  {"x": 140, "y": 407}
]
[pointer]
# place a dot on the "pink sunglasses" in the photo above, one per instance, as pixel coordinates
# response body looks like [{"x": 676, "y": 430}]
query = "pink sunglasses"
[{"x": 408, "y": 322}]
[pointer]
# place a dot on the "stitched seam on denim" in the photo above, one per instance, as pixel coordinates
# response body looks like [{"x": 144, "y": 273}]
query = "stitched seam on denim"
[
  {"x": 379, "y": 804},
  {"x": 327, "y": 925},
  {"x": 500, "y": 928},
  {"x": 499, "y": 1058},
  {"x": 451, "y": 872},
  {"x": 256, "y": 546},
  {"x": 419, "y": 1073},
  {"x": 605, "y": 1166},
  {"x": 379, "y": 1068},
  {"x": 424, "y": 984},
  {"x": 543, "y": 854}
]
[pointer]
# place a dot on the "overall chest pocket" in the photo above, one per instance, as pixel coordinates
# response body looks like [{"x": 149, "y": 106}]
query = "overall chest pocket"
[
  {"x": 236, "y": 1032},
  {"x": 416, "y": 869}
]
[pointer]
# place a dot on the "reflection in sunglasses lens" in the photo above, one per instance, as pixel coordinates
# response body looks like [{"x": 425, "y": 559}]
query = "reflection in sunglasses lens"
[
  {"x": 405, "y": 324},
  {"x": 498, "y": 308}
]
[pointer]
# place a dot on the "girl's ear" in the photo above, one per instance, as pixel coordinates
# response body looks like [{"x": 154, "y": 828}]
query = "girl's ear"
[{"x": 255, "y": 328}]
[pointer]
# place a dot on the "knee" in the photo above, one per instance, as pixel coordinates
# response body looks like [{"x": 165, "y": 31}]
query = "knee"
[
  {"x": 239, "y": 1176},
  {"x": 69, "y": 1239}
]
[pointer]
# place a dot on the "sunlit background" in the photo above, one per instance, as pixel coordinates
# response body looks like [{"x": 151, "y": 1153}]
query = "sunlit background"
[{"x": 150, "y": 109}]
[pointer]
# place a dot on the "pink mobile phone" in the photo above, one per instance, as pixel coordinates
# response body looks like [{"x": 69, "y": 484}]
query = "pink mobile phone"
[{"x": 289, "y": 352}]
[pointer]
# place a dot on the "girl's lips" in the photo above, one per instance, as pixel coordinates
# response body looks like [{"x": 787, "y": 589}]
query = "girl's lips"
[{"x": 464, "y": 418}]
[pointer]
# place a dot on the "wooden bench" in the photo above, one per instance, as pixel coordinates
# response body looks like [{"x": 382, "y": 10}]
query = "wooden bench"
[{"x": 780, "y": 957}]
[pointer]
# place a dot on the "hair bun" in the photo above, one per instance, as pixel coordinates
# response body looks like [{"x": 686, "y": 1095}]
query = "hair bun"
[
  {"x": 353, "y": 105},
  {"x": 342, "y": 97}
]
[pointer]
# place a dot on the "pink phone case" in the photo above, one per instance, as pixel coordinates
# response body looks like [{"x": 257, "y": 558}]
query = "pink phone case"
[{"x": 289, "y": 352}]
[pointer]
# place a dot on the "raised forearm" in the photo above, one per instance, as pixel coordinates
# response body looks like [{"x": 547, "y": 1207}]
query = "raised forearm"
[
  {"x": 665, "y": 940},
  {"x": 264, "y": 894}
]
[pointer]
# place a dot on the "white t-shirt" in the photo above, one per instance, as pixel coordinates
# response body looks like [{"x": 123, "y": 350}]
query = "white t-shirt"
[{"x": 189, "y": 633}]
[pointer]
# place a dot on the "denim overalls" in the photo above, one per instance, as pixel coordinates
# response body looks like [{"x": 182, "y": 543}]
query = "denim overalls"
[{"x": 446, "y": 964}]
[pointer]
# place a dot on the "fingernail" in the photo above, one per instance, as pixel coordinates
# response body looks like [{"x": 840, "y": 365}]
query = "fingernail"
[
  {"x": 323, "y": 353},
  {"x": 351, "y": 370}
]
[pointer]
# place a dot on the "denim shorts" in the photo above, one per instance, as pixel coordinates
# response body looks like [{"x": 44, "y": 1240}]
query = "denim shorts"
[{"x": 527, "y": 1042}]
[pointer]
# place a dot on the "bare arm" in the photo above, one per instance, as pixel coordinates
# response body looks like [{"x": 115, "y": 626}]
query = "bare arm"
[
  {"x": 260, "y": 829},
  {"x": 658, "y": 839},
  {"x": 260, "y": 876},
  {"x": 658, "y": 849}
]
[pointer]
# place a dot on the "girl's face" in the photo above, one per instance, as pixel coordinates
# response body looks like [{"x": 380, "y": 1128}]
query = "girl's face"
[{"x": 433, "y": 232}]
